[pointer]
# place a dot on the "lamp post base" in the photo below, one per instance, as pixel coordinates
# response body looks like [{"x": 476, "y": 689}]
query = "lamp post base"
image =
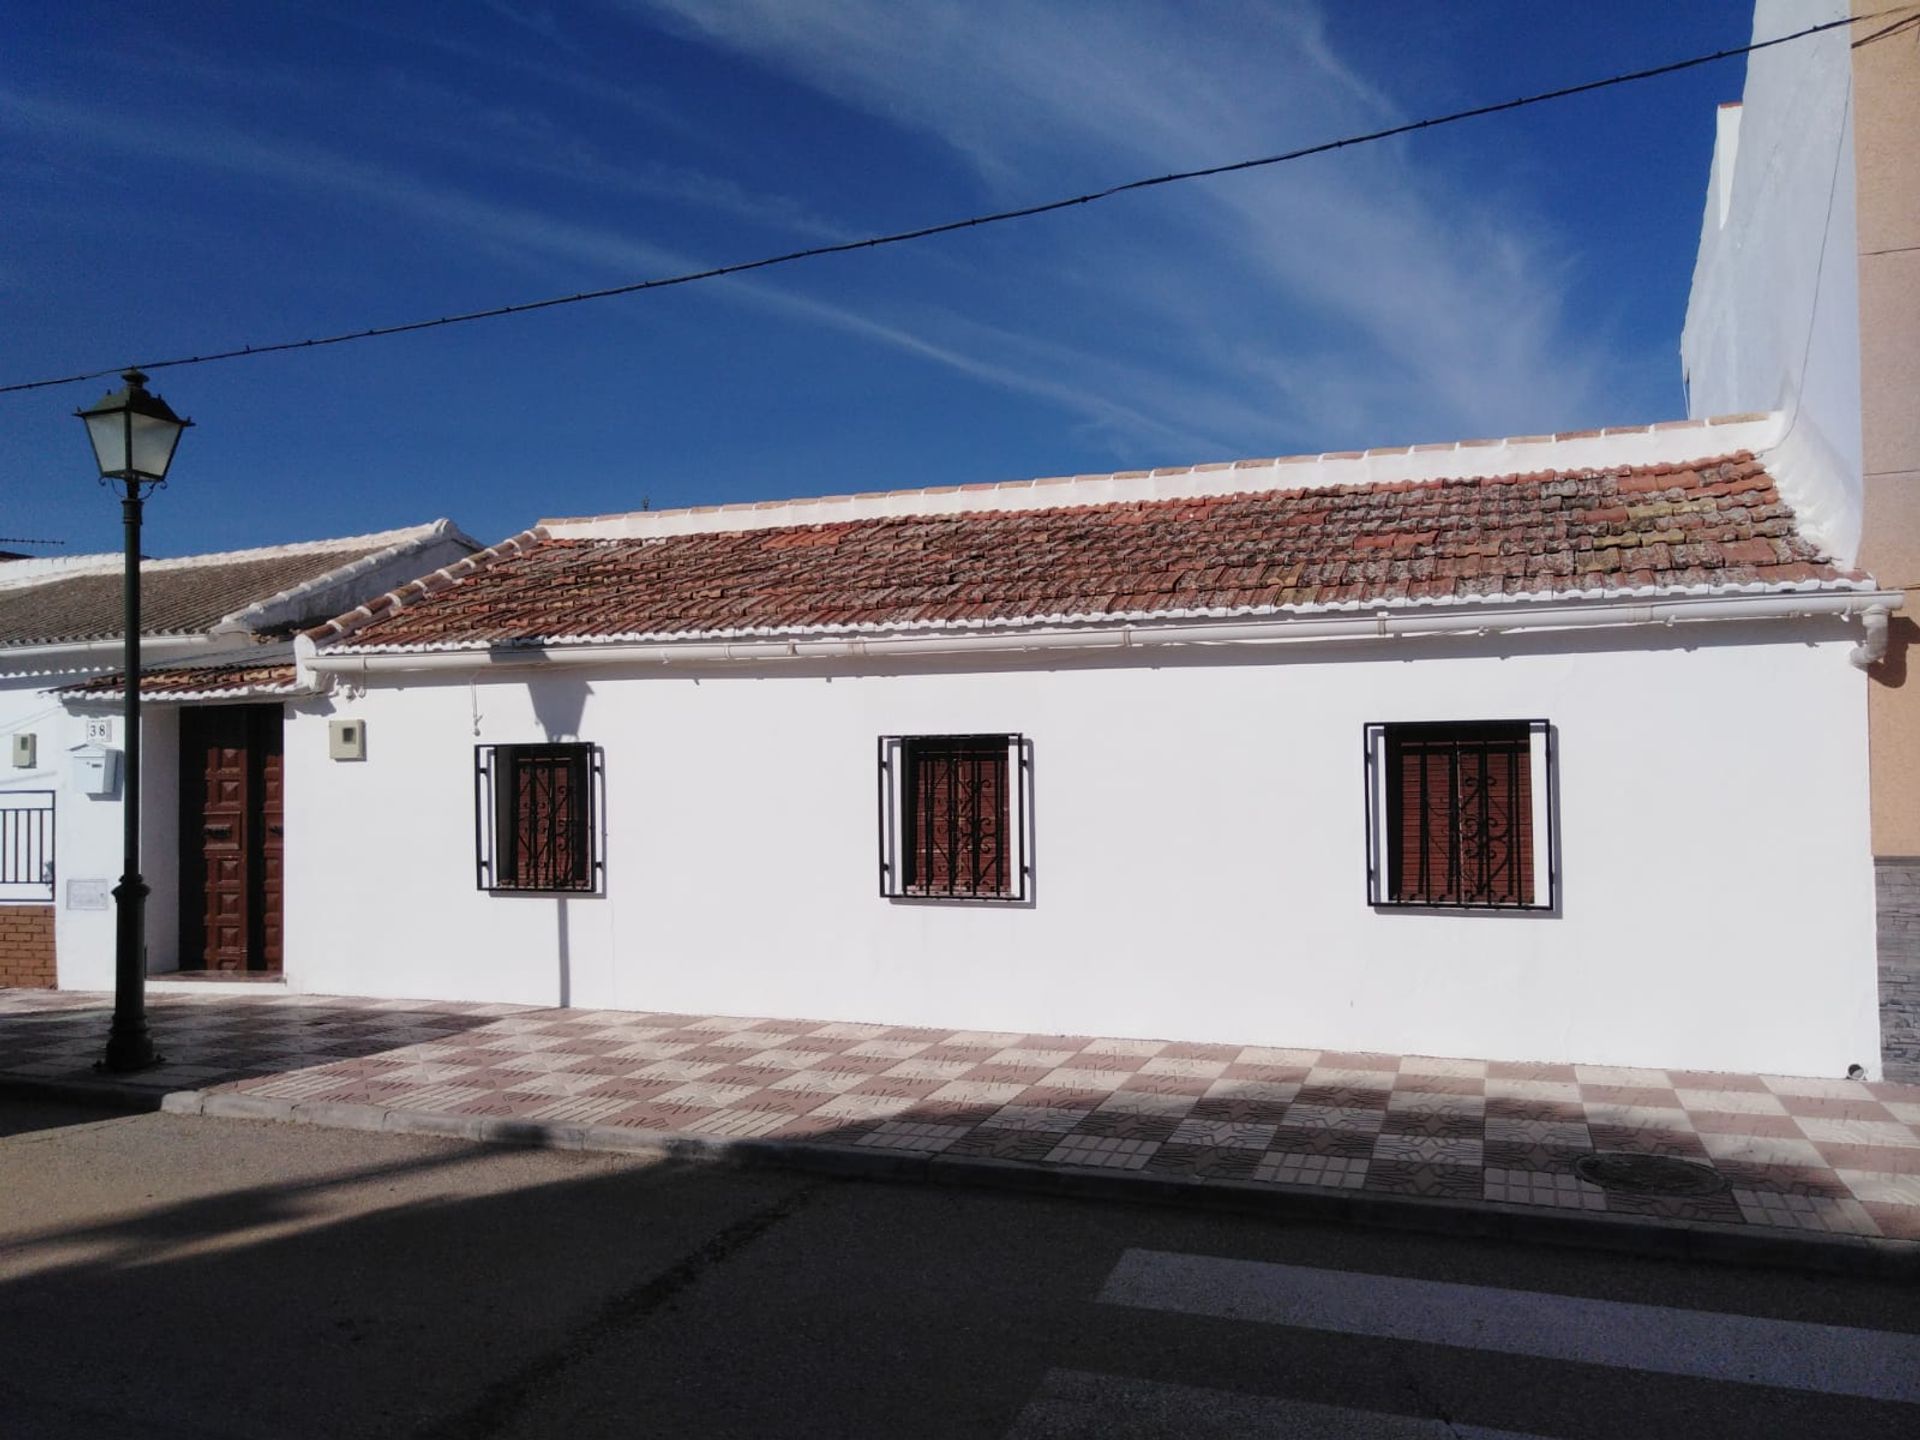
[
  {"x": 129, "y": 1050},
  {"x": 129, "y": 1045}
]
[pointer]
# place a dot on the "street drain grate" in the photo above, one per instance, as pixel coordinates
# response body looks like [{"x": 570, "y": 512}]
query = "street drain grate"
[{"x": 1648, "y": 1174}]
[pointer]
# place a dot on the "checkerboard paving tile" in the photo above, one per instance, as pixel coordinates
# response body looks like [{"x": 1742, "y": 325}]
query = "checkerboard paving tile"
[
  {"x": 1430, "y": 1149},
  {"x": 1288, "y": 1168},
  {"x": 1107, "y": 1152},
  {"x": 1812, "y": 1155},
  {"x": 1145, "y": 1102},
  {"x": 579, "y": 1110},
  {"x": 1860, "y": 1132},
  {"x": 1136, "y": 1048},
  {"x": 1805, "y": 1212},
  {"x": 1881, "y": 1188},
  {"x": 1033, "y": 1117},
  {"x": 1222, "y": 1133},
  {"x": 1732, "y": 1102},
  {"x": 1422, "y": 1102},
  {"x": 1563, "y": 1134},
  {"x": 1254, "y": 1092},
  {"x": 1626, "y": 1077},
  {"x": 1335, "y": 1117},
  {"x": 1435, "y": 1065},
  {"x": 1762, "y": 1149},
  {"x": 1533, "y": 1187},
  {"x": 901, "y": 1135},
  {"x": 1184, "y": 1068},
  {"x": 736, "y": 1124}
]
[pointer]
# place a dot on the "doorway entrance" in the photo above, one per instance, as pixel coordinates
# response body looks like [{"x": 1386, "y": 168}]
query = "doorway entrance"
[{"x": 231, "y": 832}]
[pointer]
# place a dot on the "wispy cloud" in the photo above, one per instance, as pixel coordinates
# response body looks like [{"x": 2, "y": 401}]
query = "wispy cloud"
[
  {"x": 593, "y": 254},
  {"x": 1431, "y": 312}
]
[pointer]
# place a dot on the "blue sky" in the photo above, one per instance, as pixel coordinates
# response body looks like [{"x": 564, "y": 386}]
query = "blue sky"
[{"x": 226, "y": 173}]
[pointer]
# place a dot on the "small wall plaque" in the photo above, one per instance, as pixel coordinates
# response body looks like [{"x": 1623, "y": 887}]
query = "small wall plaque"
[
  {"x": 88, "y": 894},
  {"x": 99, "y": 729}
]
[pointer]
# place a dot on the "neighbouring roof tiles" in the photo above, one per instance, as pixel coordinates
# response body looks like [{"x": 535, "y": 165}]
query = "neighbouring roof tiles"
[
  {"x": 186, "y": 595},
  {"x": 180, "y": 682}
]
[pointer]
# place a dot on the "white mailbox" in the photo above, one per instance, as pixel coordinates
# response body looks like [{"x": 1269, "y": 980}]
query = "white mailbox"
[{"x": 96, "y": 769}]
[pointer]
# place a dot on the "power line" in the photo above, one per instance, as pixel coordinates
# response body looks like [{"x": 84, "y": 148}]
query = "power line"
[{"x": 948, "y": 227}]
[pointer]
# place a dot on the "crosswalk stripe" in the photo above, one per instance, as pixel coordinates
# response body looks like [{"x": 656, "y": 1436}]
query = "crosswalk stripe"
[
  {"x": 1792, "y": 1354},
  {"x": 1080, "y": 1405}
]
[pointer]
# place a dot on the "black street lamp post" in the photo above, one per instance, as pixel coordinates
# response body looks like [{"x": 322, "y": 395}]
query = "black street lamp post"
[{"x": 133, "y": 435}]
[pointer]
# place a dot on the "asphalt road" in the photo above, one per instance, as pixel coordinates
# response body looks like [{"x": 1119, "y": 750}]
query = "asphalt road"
[{"x": 171, "y": 1278}]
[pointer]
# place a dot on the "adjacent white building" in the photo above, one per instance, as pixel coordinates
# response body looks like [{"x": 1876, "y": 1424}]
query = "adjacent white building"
[
  {"x": 218, "y": 637},
  {"x": 1806, "y": 300}
]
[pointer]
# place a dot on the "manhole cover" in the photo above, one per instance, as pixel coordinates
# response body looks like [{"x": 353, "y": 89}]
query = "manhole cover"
[{"x": 1648, "y": 1174}]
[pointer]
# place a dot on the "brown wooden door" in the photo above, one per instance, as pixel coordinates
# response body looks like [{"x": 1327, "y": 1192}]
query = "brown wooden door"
[
  {"x": 230, "y": 833},
  {"x": 267, "y": 836}
]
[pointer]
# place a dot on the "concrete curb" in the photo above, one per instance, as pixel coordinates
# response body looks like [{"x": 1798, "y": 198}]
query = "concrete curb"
[{"x": 1689, "y": 1240}]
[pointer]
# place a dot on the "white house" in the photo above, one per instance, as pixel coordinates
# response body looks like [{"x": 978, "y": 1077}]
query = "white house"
[
  {"x": 217, "y": 632},
  {"x": 1545, "y": 748}
]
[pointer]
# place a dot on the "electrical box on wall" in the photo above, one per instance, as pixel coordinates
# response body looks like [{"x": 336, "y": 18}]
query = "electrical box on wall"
[
  {"x": 26, "y": 750},
  {"x": 347, "y": 739},
  {"x": 96, "y": 769}
]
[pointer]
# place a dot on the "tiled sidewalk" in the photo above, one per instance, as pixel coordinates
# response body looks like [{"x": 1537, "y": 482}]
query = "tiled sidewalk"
[{"x": 1835, "y": 1157}]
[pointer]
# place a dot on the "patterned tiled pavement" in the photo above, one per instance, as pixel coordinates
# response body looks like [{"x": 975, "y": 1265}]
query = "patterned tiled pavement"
[{"x": 1831, "y": 1157}]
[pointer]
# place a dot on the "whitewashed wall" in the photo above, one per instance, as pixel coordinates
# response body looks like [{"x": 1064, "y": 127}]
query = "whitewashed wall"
[
  {"x": 1773, "y": 316},
  {"x": 1199, "y": 853},
  {"x": 87, "y": 828}
]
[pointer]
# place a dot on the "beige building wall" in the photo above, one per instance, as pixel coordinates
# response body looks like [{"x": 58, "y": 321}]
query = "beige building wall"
[{"x": 1886, "y": 98}]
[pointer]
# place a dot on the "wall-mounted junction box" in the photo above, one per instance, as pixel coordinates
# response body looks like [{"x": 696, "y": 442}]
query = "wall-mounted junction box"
[
  {"x": 347, "y": 739},
  {"x": 26, "y": 751}
]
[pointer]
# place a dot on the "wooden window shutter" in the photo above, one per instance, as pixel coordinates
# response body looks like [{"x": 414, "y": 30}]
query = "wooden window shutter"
[
  {"x": 956, "y": 805},
  {"x": 1460, "y": 814}
]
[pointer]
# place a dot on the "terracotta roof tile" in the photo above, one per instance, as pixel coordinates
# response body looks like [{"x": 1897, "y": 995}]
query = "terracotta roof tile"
[
  {"x": 179, "y": 681},
  {"x": 1711, "y": 522}
]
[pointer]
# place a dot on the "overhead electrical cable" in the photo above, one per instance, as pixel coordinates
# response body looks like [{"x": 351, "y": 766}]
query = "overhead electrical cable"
[{"x": 948, "y": 227}]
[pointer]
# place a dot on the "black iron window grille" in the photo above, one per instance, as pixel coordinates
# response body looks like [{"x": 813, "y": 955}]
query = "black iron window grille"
[
  {"x": 26, "y": 845},
  {"x": 536, "y": 816},
  {"x": 1461, "y": 815},
  {"x": 954, "y": 817}
]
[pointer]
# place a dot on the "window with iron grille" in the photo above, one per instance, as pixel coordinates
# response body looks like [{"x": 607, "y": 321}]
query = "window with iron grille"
[
  {"x": 1460, "y": 815},
  {"x": 536, "y": 817},
  {"x": 953, "y": 817}
]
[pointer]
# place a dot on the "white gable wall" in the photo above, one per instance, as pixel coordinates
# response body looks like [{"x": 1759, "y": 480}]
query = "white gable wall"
[
  {"x": 1199, "y": 850},
  {"x": 1773, "y": 316}
]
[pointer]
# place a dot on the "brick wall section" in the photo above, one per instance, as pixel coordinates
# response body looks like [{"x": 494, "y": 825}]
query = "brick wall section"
[
  {"x": 26, "y": 946},
  {"x": 1897, "y": 887}
]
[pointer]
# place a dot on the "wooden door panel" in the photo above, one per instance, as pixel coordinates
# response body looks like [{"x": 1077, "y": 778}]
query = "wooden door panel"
[
  {"x": 230, "y": 829},
  {"x": 223, "y": 836},
  {"x": 268, "y": 830}
]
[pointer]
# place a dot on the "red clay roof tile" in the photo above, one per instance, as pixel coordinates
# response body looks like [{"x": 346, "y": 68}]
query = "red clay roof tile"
[{"x": 1718, "y": 521}]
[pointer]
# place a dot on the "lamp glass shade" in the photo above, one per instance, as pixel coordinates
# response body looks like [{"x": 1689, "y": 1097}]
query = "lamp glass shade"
[
  {"x": 133, "y": 433},
  {"x": 153, "y": 442},
  {"x": 108, "y": 432}
]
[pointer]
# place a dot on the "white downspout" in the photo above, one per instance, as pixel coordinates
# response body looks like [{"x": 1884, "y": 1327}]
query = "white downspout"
[{"x": 1873, "y": 645}]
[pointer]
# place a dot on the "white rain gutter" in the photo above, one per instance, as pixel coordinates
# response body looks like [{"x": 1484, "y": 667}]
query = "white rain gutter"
[
  {"x": 80, "y": 657},
  {"x": 1379, "y": 624}
]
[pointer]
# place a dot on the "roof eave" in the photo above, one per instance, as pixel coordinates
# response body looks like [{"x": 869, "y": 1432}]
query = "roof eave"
[{"x": 1842, "y": 600}]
